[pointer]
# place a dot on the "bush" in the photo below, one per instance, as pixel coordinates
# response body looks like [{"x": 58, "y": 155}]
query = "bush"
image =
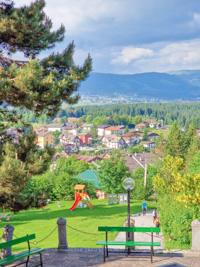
[{"x": 176, "y": 218}]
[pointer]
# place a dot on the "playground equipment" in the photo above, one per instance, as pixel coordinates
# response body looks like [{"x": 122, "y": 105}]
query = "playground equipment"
[{"x": 81, "y": 196}]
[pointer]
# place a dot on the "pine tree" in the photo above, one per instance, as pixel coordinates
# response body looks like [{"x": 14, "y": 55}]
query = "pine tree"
[
  {"x": 145, "y": 135},
  {"x": 37, "y": 85},
  {"x": 126, "y": 129},
  {"x": 21, "y": 161},
  {"x": 175, "y": 142}
]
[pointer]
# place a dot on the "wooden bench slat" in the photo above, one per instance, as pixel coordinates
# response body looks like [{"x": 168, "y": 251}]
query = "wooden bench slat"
[
  {"x": 20, "y": 255},
  {"x": 128, "y": 243},
  {"x": 129, "y": 229},
  {"x": 17, "y": 241}
]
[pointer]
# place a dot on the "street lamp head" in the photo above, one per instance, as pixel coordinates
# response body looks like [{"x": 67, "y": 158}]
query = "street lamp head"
[{"x": 128, "y": 184}]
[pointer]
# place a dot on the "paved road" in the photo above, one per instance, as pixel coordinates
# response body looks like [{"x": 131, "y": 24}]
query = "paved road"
[{"x": 142, "y": 221}]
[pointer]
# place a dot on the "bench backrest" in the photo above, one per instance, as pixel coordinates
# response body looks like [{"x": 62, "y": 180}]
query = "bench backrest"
[
  {"x": 17, "y": 241},
  {"x": 129, "y": 229}
]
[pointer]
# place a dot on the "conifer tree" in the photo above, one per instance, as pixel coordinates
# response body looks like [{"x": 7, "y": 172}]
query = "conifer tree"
[
  {"x": 175, "y": 142},
  {"x": 37, "y": 85}
]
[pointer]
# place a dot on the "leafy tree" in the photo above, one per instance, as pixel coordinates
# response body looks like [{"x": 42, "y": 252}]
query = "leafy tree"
[
  {"x": 114, "y": 172},
  {"x": 140, "y": 191},
  {"x": 116, "y": 119},
  {"x": 194, "y": 166},
  {"x": 138, "y": 149},
  {"x": 164, "y": 179},
  {"x": 63, "y": 119}
]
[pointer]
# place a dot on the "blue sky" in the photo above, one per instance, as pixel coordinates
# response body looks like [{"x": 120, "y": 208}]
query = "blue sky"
[{"x": 130, "y": 36}]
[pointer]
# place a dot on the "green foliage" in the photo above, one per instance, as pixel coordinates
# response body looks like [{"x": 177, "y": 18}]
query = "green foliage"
[
  {"x": 145, "y": 135},
  {"x": 194, "y": 166},
  {"x": 19, "y": 162},
  {"x": 176, "y": 142},
  {"x": 176, "y": 218},
  {"x": 38, "y": 86},
  {"x": 114, "y": 172},
  {"x": 141, "y": 192},
  {"x": 138, "y": 149},
  {"x": 59, "y": 184},
  {"x": 56, "y": 134},
  {"x": 94, "y": 132},
  {"x": 126, "y": 129}
]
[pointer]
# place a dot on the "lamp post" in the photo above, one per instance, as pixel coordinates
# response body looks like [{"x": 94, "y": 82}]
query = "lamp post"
[{"x": 128, "y": 185}]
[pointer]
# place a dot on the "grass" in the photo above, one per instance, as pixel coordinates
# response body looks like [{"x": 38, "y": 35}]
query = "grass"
[{"x": 42, "y": 222}]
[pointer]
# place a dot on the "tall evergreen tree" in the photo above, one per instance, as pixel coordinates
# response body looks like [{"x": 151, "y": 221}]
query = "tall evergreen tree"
[
  {"x": 37, "y": 85},
  {"x": 175, "y": 142}
]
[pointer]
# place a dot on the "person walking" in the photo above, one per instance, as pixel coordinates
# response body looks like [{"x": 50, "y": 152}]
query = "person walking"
[
  {"x": 154, "y": 214},
  {"x": 144, "y": 207},
  {"x": 157, "y": 223}
]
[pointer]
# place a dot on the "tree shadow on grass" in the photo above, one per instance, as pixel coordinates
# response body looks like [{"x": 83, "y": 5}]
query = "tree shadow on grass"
[{"x": 99, "y": 212}]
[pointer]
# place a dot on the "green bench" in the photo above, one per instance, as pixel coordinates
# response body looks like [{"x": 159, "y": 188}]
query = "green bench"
[
  {"x": 107, "y": 243},
  {"x": 23, "y": 254}
]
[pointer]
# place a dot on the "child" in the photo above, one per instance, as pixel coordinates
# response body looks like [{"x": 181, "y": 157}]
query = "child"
[
  {"x": 154, "y": 214},
  {"x": 157, "y": 223}
]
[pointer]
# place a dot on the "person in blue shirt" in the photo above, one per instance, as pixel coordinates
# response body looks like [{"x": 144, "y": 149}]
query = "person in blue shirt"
[{"x": 144, "y": 207}]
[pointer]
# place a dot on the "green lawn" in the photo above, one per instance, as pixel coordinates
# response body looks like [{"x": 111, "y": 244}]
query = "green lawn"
[{"x": 42, "y": 222}]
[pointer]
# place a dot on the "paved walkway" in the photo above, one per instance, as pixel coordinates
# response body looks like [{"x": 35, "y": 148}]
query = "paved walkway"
[
  {"x": 142, "y": 221},
  {"x": 94, "y": 257}
]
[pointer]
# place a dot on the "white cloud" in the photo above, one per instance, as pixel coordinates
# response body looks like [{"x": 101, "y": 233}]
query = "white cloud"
[
  {"x": 131, "y": 53},
  {"x": 196, "y": 18},
  {"x": 159, "y": 57}
]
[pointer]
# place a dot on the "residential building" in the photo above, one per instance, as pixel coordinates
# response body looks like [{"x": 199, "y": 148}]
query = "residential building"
[
  {"x": 153, "y": 136},
  {"x": 69, "y": 139},
  {"x": 85, "y": 138},
  {"x": 87, "y": 127},
  {"x": 131, "y": 139},
  {"x": 88, "y": 159},
  {"x": 70, "y": 148},
  {"x": 71, "y": 119},
  {"x": 139, "y": 160},
  {"x": 113, "y": 141},
  {"x": 149, "y": 145},
  {"x": 69, "y": 126},
  {"x": 122, "y": 128},
  {"x": 45, "y": 139},
  {"x": 42, "y": 128},
  {"x": 112, "y": 130},
  {"x": 56, "y": 120},
  {"x": 101, "y": 129},
  {"x": 54, "y": 127},
  {"x": 140, "y": 126}
]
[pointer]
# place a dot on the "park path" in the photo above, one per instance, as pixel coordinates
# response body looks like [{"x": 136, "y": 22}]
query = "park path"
[{"x": 142, "y": 221}]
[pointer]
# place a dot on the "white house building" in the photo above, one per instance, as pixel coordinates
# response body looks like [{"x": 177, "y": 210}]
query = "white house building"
[{"x": 113, "y": 141}]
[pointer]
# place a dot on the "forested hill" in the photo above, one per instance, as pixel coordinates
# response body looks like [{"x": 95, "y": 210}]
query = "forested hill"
[{"x": 182, "y": 85}]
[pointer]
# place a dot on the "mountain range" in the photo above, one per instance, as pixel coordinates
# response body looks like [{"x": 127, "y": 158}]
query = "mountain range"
[{"x": 174, "y": 85}]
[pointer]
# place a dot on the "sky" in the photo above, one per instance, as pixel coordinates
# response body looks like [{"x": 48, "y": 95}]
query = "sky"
[{"x": 129, "y": 36}]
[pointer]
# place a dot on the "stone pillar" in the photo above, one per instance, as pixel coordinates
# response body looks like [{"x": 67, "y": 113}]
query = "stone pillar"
[
  {"x": 131, "y": 234},
  {"x": 62, "y": 233},
  {"x": 7, "y": 236},
  {"x": 195, "y": 235}
]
